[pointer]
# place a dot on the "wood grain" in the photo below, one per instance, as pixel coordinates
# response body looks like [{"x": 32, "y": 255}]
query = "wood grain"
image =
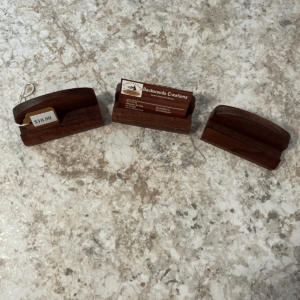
[
  {"x": 77, "y": 110},
  {"x": 246, "y": 135}
]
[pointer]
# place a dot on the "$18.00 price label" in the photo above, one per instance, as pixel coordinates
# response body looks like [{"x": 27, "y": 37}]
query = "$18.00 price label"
[{"x": 44, "y": 118}]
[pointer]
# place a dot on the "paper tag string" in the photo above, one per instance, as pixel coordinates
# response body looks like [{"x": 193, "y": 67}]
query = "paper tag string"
[{"x": 22, "y": 95}]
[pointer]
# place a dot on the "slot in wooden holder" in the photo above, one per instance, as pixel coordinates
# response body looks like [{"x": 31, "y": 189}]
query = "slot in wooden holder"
[
  {"x": 152, "y": 121},
  {"x": 77, "y": 110},
  {"x": 246, "y": 135}
]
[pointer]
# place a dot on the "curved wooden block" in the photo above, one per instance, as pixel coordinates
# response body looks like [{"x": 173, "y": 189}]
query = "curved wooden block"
[
  {"x": 77, "y": 110},
  {"x": 246, "y": 135}
]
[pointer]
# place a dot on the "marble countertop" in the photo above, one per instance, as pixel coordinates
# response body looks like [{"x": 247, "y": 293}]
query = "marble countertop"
[{"x": 122, "y": 212}]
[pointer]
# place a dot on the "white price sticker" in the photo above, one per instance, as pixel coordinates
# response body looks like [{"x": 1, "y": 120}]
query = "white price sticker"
[{"x": 44, "y": 118}]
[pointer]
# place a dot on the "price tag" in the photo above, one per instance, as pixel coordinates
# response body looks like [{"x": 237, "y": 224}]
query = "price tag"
[
  {"x": 44, "y": 118},
  {"x": 41, "y": 117}
]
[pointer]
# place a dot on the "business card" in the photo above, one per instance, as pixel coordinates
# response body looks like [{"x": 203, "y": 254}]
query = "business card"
[{"x": 154, "y": 99}]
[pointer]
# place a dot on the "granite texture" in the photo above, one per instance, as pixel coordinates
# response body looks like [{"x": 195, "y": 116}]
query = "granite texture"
[{"x": 122, "y": 212}]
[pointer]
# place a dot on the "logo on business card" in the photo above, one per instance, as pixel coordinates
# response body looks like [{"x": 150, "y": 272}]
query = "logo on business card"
[{"x": 131, "y": 88}]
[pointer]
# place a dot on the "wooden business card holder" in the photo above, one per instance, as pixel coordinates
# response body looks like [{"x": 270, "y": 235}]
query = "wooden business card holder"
[
  {"x": 246, "y": 135},
  {"x": 153, "y": 121},
  {"x": 77, "y": 110}
]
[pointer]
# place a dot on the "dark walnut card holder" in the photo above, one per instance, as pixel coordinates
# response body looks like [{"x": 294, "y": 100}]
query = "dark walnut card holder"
[
  {"x": 246, "y": 135},
  {"x": 152, "y": 121},
  {"x": 77, "y": 110}
]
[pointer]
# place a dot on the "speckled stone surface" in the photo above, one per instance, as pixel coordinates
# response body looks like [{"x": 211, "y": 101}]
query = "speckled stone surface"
[{"x": 122, "y": 212}]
